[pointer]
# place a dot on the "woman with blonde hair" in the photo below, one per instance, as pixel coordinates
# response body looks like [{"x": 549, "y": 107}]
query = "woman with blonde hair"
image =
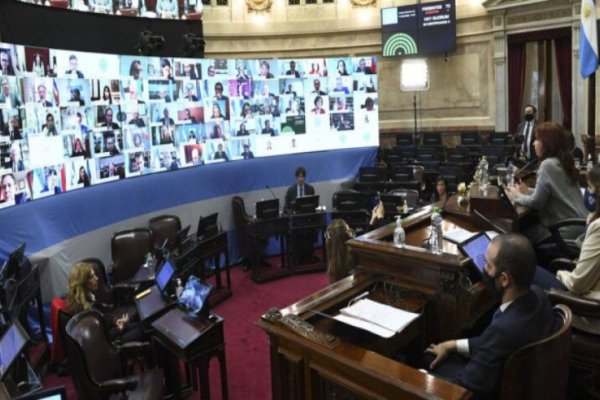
[
  {"x": 339, "y": 261},
  {"x": 83, "y": 282}
]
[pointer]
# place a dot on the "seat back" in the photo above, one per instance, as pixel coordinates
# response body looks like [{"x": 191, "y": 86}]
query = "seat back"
[
  {"x": 165, "y": 227},
  {"x": 93, "y": 359},
  {"x": 540, "y": 370},
  {"x": 411, "y": 196},
  {"x": 129, "y": 249},
  {"x": 240, "y": 220},
  {"x": 349, "y": 200}
]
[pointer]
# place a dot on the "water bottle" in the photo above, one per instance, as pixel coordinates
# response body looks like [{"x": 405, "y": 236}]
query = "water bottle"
[
  {"x": 149, "y": 265},
  {"x": 590, "y": 163},
  {"x": 483, "y": 184},
  {"x": 178, "y": 288},
  {"x": 399, "y": 234},
  {"x": 510, "y": 174},
  {"x": 435, "y": 232}
]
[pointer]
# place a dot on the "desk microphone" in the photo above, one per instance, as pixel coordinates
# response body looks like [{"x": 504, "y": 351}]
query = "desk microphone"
[
  {"x": 270, "y": 190},
  {"x": 525, "y": 167}
]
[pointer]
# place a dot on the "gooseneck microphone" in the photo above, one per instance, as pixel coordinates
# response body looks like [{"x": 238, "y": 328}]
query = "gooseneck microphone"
[{"x": 272, "y": 193}]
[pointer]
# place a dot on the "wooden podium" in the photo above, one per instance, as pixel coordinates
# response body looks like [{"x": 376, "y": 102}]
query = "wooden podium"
[{"x": 315, "y": 357}]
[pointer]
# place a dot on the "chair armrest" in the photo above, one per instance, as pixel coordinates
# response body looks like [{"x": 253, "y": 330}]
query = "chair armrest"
[
  {"x": 568, "y": 222},
  {"x": 579, "y": 305},
  {"x": 118, "y": 385},
  {"x": 561, "y": 264},
  {"x": 133, "y": 348}
]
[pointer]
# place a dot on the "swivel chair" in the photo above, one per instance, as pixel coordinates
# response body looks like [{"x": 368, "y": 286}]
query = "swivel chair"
[
  {"x": 129, "y": 249},
  {"x": 98, "y": 366}
]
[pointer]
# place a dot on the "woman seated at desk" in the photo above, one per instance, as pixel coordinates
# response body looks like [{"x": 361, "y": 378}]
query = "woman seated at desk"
[
  {"x": 440, "y": 195},
  {"x": 584, "y": 279},
  {"x": 83, "y": 282},
  {"x": 556, "y": 195}
]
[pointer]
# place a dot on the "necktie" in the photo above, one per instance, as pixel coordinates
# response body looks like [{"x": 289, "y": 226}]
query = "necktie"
[
  {"x": 526, "y": 148},
  {"x": 301, "y": 191}
]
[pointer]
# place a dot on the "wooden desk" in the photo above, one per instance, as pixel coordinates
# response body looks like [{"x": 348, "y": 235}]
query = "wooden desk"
[
  {"x": 194, "y": 259},
  {"x": 260, "y": 231},
  {"x": 194, "y": 341},
  {"x": 317, "y": 359},
  {"x": 492, "y": 207}
]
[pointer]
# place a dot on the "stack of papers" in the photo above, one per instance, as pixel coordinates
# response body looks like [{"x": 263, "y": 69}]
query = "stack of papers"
[
  {"x": 377, "y": 318},
  {"x": 458, "y": 235}
]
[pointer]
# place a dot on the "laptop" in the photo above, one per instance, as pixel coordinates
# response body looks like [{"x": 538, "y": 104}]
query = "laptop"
[
  {"x": 12, "y": 344},
  {"x": 207, "y": 225},
  {"x": 152, "y": 301},
  {"x": 267, "y": 209},
  {"x": 57, "y": 393},
  {"x": 475, "y": 248}
]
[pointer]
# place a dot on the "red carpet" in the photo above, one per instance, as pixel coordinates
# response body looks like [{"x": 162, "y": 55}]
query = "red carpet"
[{"x": 248, "y": 365}]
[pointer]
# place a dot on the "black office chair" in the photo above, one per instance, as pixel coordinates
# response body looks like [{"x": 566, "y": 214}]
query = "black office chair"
[{"x": 129, "y": 249}]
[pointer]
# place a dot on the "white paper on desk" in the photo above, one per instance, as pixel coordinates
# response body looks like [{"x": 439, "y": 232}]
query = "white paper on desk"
[
  {"x": 377, "y": 318},
  {"x": 458, "y": 235},
  {"x": 491, "y": 234}
]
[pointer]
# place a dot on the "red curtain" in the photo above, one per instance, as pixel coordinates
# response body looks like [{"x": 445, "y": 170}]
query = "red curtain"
[
  {"x": 516, "y": 83},
  {"x": 562, "y": 47}
]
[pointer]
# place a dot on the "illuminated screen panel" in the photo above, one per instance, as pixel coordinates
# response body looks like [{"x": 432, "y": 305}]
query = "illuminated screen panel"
[
  {"x": 165, "y": 9},
  {"x": 69, "y": 119}
]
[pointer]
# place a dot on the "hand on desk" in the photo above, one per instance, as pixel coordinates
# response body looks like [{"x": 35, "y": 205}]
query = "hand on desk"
[
  {"x": 514, "y": 191},
  {"x": 441, "y": 351},
  {"x": 378, "y": 213}
]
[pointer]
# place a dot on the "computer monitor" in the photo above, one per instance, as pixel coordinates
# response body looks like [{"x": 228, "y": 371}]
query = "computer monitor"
[
  {"x": 475, "y": 249},
  {"x": 165, "y": 274},
  {"x": 306, "y": 204},
  {"x": 57, "y": 393},
  {"x": 206, "y": 225},
  {"x": 12, "y": 344},
  {"x": 182, "y": 235},
  {"x": 194, "y": 297},
  {"x": 267, "y": 209},
  {"x": 11, "y": 266}
]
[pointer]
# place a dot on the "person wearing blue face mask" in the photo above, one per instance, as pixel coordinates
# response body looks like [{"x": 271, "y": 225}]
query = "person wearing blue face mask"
[{"x": 524, "y": 316}]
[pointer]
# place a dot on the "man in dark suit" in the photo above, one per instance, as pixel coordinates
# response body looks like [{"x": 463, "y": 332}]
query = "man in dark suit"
[
  {"x": 12, "y": 129},
  {"x": 108, "y": 119},
  {"x": 247, "y": 154},
  {"x": 73, "y": 71},
  {"x": 166, "y": 120},
  {"x": 525, "y": 134},
  {"x": 267, "y": 130},
  {"x": 299, "y": 189},
  {"x": 220, "y": 153},
  {"x": 525, "y": 316}
]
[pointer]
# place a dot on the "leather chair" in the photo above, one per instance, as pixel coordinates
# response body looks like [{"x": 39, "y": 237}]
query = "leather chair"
[
  {"x": 107, "y": 294},
  {"x": 164, "y": 227},
  {"x": 129, "y": 249},
  {"x": 241, "y": 221},
  {"x": 98, "y": 366},
  {"x": 585, "y": 344},
  {"x": 540, "y": 370}
]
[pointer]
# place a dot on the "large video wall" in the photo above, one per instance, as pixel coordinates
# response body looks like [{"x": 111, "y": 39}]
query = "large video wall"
[
  {"x": 69, "y": 119},
  {"x": 166, "y": 9}
]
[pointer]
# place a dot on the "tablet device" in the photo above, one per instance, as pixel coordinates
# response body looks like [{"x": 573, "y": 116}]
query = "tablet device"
[
  {"x": 194, "y": 297},
  {"x": 57, "y": 393},
  {"x": 164, "y": 276},
  {"x": 475, "y": 249},
  {"x": 12, "y": 344}
]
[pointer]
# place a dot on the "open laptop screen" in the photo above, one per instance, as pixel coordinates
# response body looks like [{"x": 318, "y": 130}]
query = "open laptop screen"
[
  {"x": 165, "y": 275},
  {"x": 12, "y": 343}
]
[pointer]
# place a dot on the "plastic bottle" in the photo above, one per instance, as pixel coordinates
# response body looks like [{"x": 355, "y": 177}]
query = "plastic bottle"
[
  {"x": 399, "y": 234},
  {"x": 178, "y": 288},
  {"x": 435, "y": 232},
  {"x": 510, "y": 174},
  {"x": 149, "y": 265},
  {"x": 484, "y": 174},
  {"x": 590, "y": 163}
]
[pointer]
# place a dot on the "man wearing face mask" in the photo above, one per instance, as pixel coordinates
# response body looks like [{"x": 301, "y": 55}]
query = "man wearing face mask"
[
  {"x": 524, "y": 316},
  {"x": 525, "y": 133}
]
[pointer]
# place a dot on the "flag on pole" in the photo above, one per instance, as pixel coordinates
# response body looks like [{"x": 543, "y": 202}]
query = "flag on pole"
[{"x": 588, "y": 42}]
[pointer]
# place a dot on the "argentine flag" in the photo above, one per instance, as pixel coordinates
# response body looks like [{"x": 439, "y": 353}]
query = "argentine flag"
[{"x": 588, "y": 42}]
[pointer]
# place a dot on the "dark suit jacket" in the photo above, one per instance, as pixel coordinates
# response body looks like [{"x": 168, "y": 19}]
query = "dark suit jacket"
[
  {"x": 521, "y": 131},
  {"x": 292, "y": 193},
  {"x": 526, "y": 320},
  {"x": 164, "y": 121}
]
